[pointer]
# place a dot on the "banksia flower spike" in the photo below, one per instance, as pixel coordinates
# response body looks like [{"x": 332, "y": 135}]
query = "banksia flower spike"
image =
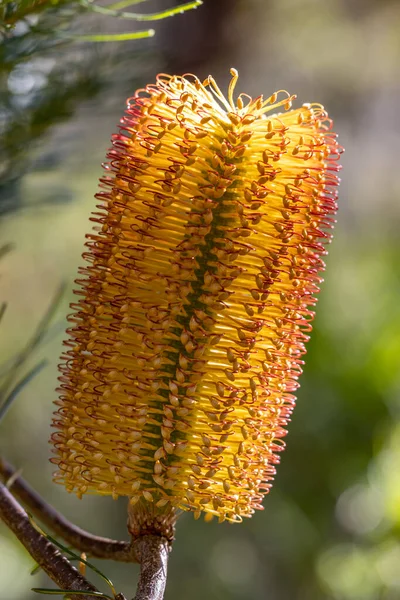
[{"x": 186, "y": 343}]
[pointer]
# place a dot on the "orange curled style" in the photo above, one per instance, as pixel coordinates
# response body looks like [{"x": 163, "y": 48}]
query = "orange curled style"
[{"x": 195, "y": 303}]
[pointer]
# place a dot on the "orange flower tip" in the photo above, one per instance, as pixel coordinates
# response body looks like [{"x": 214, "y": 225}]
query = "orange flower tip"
[{"x": 193, "y": 310}]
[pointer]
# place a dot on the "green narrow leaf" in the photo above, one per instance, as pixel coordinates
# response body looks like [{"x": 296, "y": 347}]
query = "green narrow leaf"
[
  {"x": 49, "y": 314},
  {"x": 124, "y": 4},
  {"x": 71, "y": 553},
  {"x": 35, "y": 569},
  {"x": 168, "y": 12},
  {"x": 37, "y": 337},
  {"x": 114, "y": 37},
  {"x": 50, "y": 333},
  {"x": 3, "y": 307},
  {"x": 5, "y": 249},
  {"x": 19, "y": 386},
  {"x": 38, "y": 568}
]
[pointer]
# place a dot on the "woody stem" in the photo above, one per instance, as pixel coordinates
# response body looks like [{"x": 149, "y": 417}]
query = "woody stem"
[{"x": 152, "y": 552}]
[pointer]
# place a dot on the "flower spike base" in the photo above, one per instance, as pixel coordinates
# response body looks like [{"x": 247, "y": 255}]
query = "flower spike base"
[{"x": 152, "y": 530}]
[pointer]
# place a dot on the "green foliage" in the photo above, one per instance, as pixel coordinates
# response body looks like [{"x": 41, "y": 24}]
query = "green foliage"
[
  {"x": 42, "y": 76},
  {"x": 12, "y": 382},
  {"x": 11, "y": 12}
]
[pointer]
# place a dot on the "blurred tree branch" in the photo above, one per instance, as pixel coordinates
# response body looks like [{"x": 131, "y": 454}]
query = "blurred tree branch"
[{"x": 152, "y": 552}]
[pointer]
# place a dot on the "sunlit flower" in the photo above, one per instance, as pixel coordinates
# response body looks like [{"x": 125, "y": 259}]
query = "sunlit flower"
[{"x": 196, "y": 301}]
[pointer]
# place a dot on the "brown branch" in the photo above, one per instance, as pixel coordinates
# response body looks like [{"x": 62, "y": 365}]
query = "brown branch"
[
  {"x": 42, "y": 550},
  {"x": 83, "y": 541},
  {"x": 152, "y": 552}
]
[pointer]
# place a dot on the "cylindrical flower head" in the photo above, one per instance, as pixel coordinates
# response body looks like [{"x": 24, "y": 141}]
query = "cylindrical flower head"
[{"x": 196, "y": 301}]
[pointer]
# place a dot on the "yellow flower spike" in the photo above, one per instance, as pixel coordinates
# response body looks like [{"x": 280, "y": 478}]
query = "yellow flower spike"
[{"x": 195, "y": 304}]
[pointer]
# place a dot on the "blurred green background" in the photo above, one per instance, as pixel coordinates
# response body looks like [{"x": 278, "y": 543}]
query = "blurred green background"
[{"x": 330, "y": 529}]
